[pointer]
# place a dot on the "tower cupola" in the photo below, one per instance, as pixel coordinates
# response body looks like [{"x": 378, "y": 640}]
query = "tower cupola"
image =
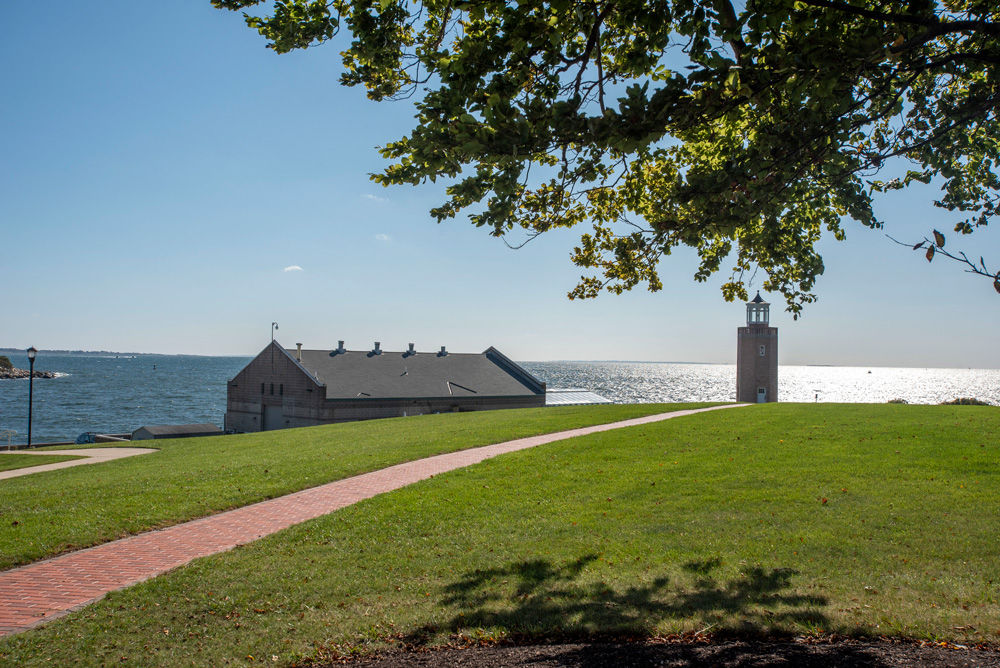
[{"x": 757, "y": 311}]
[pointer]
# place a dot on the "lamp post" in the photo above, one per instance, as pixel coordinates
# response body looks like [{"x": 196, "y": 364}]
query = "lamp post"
[{"x": 31, "y": 381}]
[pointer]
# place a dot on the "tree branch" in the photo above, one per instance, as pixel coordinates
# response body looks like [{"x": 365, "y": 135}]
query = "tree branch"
[
  {"x": 935, "y": 248},
  {"x": 937, "y": 26}
]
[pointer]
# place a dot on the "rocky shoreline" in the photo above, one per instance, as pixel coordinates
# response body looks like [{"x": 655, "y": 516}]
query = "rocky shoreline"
[{"x": 10, "y": 374}]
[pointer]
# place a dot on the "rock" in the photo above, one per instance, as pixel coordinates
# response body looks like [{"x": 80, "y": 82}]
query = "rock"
[{"x": 10, "y": 374}]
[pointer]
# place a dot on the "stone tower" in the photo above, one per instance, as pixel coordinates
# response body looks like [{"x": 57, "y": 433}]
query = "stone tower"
[{"x": 757, "y": 356}]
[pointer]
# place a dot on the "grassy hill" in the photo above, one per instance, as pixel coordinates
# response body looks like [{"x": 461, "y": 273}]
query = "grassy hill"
[
  {"x": 48, "y": 513},
  {"x": 872, "y": 520}
]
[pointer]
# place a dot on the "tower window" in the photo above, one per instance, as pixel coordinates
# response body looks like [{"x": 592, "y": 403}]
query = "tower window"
[
  {"x": 281, "y": 389},
  {"x": 762, "y": 351},
  {"x": 272, "y": 388},
  {"x": 262, "y": 388}
]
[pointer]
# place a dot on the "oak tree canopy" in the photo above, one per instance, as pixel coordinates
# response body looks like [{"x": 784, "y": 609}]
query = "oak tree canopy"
[{"x": 654, "y": 123}]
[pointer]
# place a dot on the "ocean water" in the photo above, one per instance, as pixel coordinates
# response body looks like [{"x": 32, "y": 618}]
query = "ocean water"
[
  {"x": 114, "y": 393},
  {"x": 119, "y": 393},
  {"x": 647, "y": 382}
]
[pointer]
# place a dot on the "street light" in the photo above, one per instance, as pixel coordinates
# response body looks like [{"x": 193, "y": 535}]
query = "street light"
[{"x": 31, "y": 381}]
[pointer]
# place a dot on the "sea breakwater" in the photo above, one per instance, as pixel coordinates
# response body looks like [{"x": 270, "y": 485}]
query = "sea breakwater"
[{"x": 10, "y": 374}]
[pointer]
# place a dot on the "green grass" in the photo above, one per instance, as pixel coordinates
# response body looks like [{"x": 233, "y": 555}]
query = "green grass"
[
  {"x": 48, "y": 513},
  {"x": 11, "y": 461},
  {"x": 871, "y": 520}
]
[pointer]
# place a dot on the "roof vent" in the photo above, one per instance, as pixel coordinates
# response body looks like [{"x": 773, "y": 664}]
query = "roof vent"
[
  {"x": 411, "y": 350},
  {"x": 443, "y": 352},
  {"x": 298, "y": 352},
  {"x": 340, "y": 347},
  {"x": 378, "y": 349}
]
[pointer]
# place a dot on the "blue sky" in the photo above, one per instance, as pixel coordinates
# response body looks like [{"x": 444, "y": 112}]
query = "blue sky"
[{"x": 161, "y": 170}]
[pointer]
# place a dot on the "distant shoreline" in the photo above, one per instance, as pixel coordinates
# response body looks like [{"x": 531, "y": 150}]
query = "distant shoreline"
[
  {"x": 108, "y": 353},
  {"x": 71, "y": 352},
  {"x": 14, "y": 352}
]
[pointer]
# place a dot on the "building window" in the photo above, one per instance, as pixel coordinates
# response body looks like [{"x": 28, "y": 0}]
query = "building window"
[
  {"x": 281, "y": 390},
  {"x": 262, "y": 388},
  {"x": 272, "y": 389},
  {"x": 762, "y": 351}
]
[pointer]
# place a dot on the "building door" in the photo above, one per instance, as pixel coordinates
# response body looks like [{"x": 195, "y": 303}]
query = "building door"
[
  {"x": 272, "y": 418},
  {"x": 761, "y": 395}
]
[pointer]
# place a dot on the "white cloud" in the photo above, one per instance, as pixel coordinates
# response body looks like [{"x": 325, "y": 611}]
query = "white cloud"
[
  {"x": 375, "y": 198},
  {"x": 383, "y": 237},
  {"x": 294, "y": 267}
]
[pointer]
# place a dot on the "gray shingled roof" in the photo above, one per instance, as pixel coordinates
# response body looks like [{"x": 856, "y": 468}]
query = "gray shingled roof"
[{"x": 357, "y": 374}]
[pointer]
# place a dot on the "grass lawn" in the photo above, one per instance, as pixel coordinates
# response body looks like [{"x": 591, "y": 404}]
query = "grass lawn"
[
  {"x": 12, "y": 460},
  {"x": 47, "y": 513},
  {"x": 875, "y": 520}
]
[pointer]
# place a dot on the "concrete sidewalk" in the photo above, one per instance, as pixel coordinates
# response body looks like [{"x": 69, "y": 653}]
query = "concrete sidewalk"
[
  {"x": 38, "y": 592},
  {"x": 93, "y": 456}
]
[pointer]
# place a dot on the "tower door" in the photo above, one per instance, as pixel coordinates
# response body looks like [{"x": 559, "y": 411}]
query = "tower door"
[{"x": 761, "y": 395}]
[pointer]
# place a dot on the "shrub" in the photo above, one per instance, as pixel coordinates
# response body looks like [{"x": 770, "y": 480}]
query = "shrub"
[
  {"x": 966, "y": 401},
  {"x": 897, "y": 400},
  {"x": 5, "y": 362}
]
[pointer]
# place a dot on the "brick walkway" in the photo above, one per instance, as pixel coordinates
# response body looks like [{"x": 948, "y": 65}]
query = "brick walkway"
[{"x": 38, "y": 592}]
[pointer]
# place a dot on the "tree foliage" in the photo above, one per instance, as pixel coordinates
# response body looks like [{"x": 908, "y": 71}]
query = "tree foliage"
[{"x": 665, "y": 123}]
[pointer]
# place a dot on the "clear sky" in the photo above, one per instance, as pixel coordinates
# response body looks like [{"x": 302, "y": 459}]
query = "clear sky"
[{"x": 169, "y": 185}]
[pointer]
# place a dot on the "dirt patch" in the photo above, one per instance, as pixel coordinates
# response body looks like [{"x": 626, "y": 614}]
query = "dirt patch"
[{"x": 720, "y": 654}]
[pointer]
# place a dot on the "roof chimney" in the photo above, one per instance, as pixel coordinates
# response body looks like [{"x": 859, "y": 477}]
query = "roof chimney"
[
  {"x": 443, "y": 352},
  {"x": 340, "y": 347},
  {"x": 377, "y": 350},
  {"x": 411, "y": 350},
  {"x": 298, "y": 352}
]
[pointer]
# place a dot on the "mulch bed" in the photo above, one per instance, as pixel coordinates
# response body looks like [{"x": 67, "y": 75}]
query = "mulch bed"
[{"x": 717, "y": 654}]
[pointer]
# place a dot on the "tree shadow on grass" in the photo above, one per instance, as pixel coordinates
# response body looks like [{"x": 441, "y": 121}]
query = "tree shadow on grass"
[
  {"x": 724, "y": 654},
  {"x": 727, "y": 654},
  {"x": 539, "y": 597}
]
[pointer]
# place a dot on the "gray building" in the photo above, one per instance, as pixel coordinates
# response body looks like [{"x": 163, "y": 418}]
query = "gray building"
[
  {"x": 173, "y": 431},
  {"x": 283, "y": 388}
]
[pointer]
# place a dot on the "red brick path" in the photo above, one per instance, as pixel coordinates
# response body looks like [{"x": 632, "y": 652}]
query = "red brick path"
[{"x": 38, "y": 592}]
